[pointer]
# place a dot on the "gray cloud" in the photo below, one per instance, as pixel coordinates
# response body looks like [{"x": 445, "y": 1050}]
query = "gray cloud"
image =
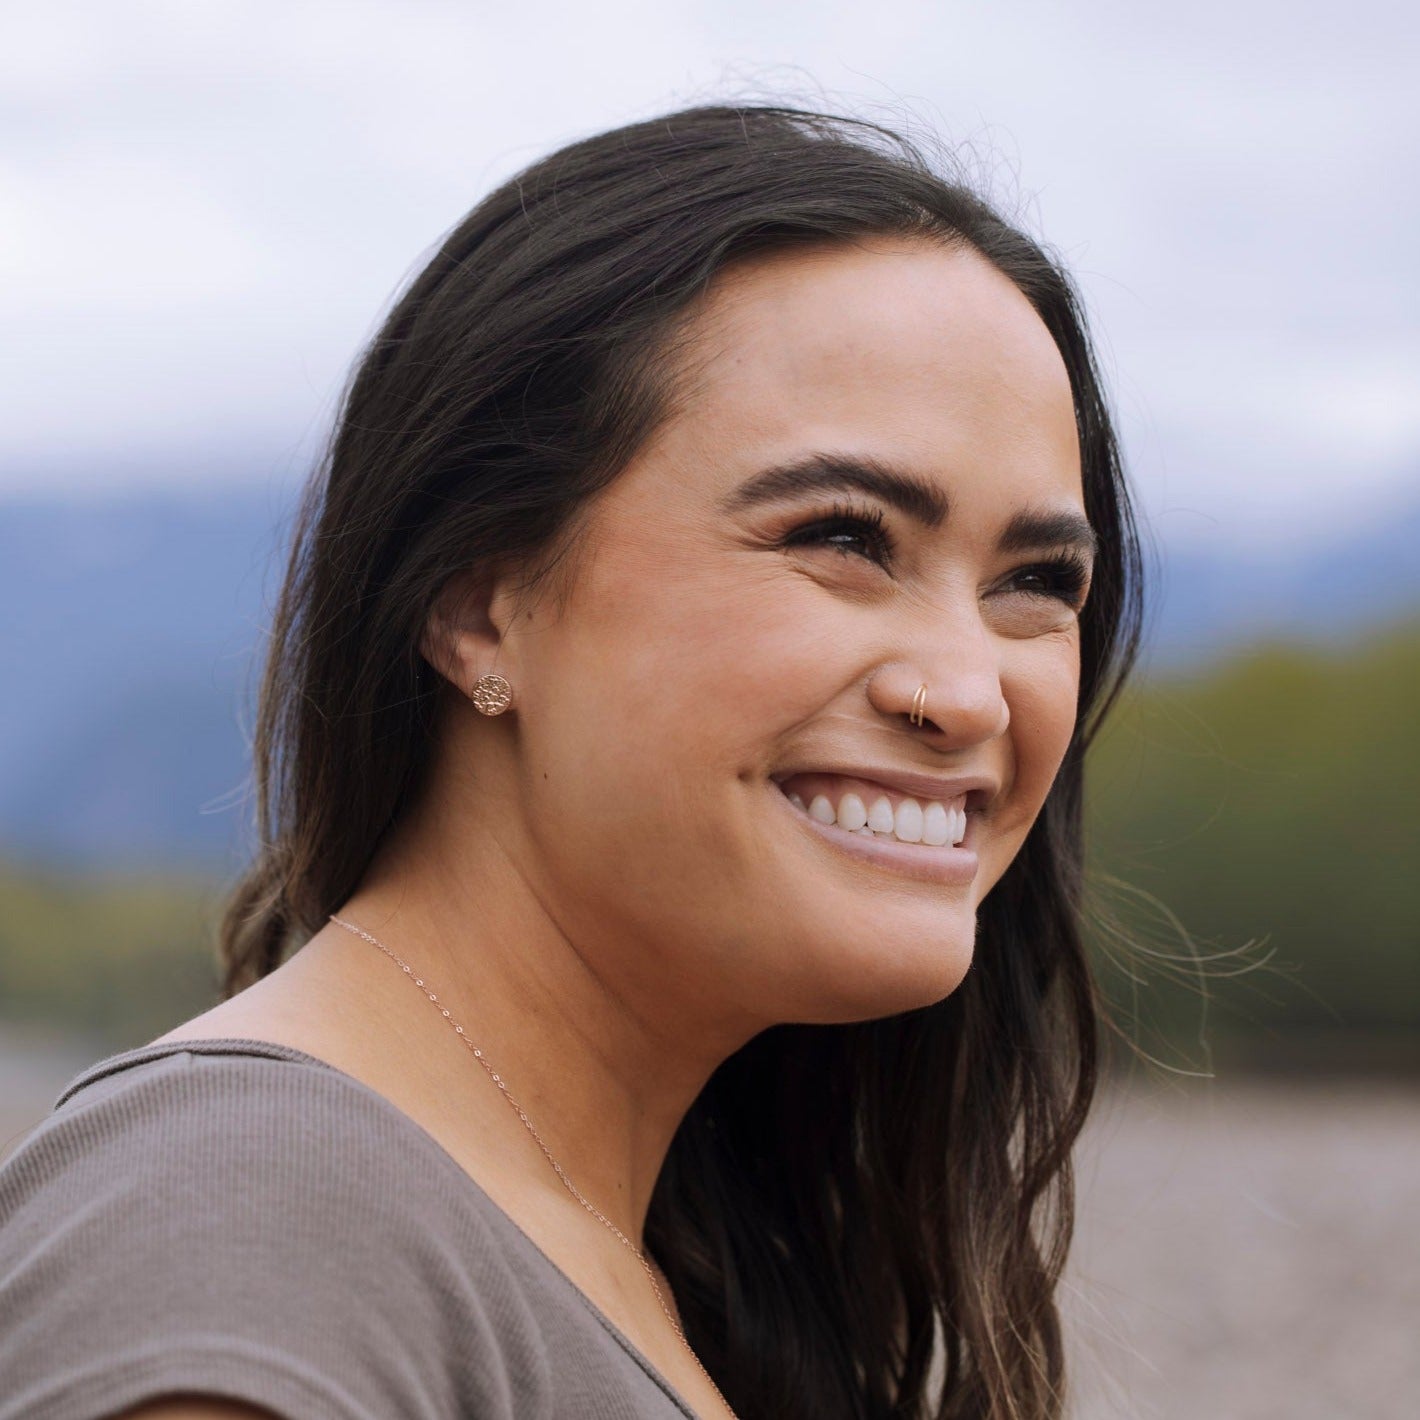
[{"x": 207, "y": 207}]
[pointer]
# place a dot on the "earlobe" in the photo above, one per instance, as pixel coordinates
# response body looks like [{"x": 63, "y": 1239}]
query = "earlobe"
[
  {"x": 460, "y": 640},
  {"x": 463, "y": 638}
]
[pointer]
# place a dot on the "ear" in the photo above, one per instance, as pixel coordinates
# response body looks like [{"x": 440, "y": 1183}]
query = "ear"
[{"x": 464, "y": 634}]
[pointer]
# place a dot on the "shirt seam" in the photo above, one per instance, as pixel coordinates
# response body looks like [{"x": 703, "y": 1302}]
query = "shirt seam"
[
  {"x": 290, "y": 1054},
  {"x": 136, "y": 1375}
]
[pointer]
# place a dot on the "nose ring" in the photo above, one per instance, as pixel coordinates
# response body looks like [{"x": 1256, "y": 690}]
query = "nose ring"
[{"x": 919, "y": 700}]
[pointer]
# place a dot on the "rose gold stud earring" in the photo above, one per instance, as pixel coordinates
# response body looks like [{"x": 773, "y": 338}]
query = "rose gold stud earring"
[
  {"x": 492, "y": 695},
  {"x": 919, "y": 701}
]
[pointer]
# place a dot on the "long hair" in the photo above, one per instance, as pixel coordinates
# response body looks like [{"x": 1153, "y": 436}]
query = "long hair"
[{"x": 860, "y": 1220}]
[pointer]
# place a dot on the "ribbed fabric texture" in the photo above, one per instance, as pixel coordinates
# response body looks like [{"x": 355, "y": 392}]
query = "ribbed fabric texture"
[{"x": 243, "y": 1220}]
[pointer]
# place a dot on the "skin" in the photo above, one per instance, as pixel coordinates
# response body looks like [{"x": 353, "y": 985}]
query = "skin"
[{"x": 604, "y": 884}]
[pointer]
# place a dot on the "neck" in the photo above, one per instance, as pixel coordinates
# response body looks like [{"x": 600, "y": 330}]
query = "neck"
[{"x": 605, "y": 1059}]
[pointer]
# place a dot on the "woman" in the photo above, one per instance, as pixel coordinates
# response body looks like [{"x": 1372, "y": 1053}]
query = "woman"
[{"x": 682, "y": 677}]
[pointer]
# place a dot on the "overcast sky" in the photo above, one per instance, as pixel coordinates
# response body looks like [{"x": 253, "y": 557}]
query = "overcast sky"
[{"x": 204, "y": 207}]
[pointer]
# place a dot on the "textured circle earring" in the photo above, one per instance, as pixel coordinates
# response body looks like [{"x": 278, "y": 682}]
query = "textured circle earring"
[{"x": 492, "y": 695}]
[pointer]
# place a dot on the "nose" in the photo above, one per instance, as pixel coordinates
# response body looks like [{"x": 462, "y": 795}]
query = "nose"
[{"x": 964, "y": 703}]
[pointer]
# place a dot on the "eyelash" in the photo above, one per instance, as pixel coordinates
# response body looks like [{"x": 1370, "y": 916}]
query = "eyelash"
[
  {"x": 865, "y": 522},
  {"x": 1068, "y": 573}
]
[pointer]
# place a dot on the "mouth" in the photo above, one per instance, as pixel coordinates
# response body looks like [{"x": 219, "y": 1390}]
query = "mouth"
[{"x": 929, "y": 835}]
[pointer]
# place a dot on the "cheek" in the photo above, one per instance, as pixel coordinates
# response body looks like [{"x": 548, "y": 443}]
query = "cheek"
[
  {"x": 1042, "y": 692},
  {"x": 691, "y": 667},
  {"x": 664, "y": 696}
]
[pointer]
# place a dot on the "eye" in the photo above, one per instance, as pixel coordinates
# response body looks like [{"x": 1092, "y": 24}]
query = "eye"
[
  {"x": 852, "y": 531},
  {"x": 1065, "y": 578}
]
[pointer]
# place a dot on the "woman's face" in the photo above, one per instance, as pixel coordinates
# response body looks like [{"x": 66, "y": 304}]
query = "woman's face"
[{"x": 853, "y": 496}]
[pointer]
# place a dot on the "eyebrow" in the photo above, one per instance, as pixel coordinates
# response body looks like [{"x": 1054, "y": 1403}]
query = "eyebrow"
[
  {"x": 1048, "y": 527},
  {"x": 822, "y": 473},
  {"x": 918, "y": 498}
]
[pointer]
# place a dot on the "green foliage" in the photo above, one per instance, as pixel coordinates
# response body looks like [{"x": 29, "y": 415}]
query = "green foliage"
[
  {"x": 1270, "y": 806},
  {"x": 116, "y": 960},
  {"x": 1252, "y": 834}
]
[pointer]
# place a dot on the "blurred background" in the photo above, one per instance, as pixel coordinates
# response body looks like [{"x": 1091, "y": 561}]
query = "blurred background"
[{"x": 205, "y": 207}]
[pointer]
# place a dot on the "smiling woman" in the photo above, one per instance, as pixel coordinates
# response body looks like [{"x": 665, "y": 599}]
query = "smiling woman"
[{"x": 682, "y": 675}]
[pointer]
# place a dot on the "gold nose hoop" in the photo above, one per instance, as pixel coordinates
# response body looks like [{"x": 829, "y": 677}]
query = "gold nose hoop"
[{"x": 918, "y": 702}]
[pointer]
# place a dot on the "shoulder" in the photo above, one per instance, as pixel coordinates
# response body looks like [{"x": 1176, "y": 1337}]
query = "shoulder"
[
  {"x": 237, "y": 1137},
  {"x": 247, "y": 1222}
]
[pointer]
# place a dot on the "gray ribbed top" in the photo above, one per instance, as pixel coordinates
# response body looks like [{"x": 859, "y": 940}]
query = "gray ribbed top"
[{"x": 242, "y": 1219}]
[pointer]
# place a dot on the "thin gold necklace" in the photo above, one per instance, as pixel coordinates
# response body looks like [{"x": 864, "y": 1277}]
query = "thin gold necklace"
[{"x": 571, "y": 1187}]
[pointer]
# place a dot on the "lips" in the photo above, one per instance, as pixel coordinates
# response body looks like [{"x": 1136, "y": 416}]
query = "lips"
[
  {"x": 936, "y": 846},
  {"x": 939, "y": 847}
]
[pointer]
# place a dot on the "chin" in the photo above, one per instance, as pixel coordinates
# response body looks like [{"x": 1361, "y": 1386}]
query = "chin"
[{"x": 898, "y": 975}]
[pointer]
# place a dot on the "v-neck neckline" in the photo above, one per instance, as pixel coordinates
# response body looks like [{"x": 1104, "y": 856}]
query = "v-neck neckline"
[{"x": 243, "y": 1045}]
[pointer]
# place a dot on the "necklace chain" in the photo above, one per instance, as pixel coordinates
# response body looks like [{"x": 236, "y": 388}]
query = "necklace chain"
[{"x": 572, "y": 1188}]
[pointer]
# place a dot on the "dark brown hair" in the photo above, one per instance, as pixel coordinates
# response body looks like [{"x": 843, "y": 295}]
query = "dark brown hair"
[{"x": 859, "y": 1221}]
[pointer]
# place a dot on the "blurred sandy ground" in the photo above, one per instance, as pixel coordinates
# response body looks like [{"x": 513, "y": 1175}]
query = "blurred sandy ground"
[{"x": 1246, "y": 1250}]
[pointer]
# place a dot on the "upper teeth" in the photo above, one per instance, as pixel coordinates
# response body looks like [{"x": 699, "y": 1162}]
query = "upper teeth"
[{"x": 932, "y": 823}]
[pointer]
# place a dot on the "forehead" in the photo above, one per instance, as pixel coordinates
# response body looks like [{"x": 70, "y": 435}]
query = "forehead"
[{"x": 903, "y": 349}]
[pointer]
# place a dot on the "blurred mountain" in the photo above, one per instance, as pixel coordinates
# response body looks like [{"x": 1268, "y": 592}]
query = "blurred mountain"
[
  {"x": 1211, "y": 599},
  {"x": 132, "y": 628},
  {"x": 128, "y": 654}
]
